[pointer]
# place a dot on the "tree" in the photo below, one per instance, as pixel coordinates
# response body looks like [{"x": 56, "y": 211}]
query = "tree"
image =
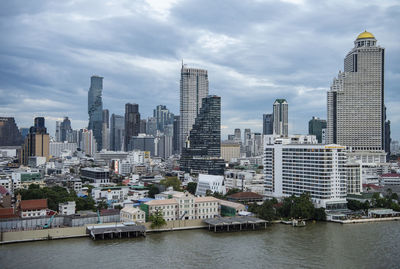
[
  {"x": 157, "y": 219},
  {"x": 191, "y": 187},
  {"x": 153, "y": 190},
  {"x": 171, "y": 182},
  {"x": 102, "y": 205},
  {"x": 232, "y": 191}
]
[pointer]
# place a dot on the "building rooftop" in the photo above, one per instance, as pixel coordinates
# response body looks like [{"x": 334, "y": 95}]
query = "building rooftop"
[
  {"x": 365, "y": 34},
  {"x": 245, "y": 195},
  {"x": 390, "y": 175},
  {"x": 205, "y": 199},
  {"x": 33, "y": 204},
  {"x": 162, "y": 202},
  {"x": 6, "y": 213}
]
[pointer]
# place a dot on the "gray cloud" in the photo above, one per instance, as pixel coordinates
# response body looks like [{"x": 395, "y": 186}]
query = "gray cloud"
[{"x": 255, "y": 52}]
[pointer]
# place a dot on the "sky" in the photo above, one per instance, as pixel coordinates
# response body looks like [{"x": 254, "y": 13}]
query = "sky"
[{"x": 254, "y": 51}]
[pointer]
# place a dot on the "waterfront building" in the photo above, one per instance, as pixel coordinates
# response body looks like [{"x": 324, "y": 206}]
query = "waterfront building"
[
  {"x": 96, "y": 175},
  {"x": 56, "y": 148},
  {"x": 293, "y": 169},
  {"x": 193, "y": 88},
  {"x": 67, "y": 208},
  {"x": 316, "y": 127},
  {"x": 211, "y": 183},
  {"x": 32, "y": 208},
  {"x": 202, "y": 153},
  {"x": 132, "y": 214},
  {"x": 280, "y": 117},
  {"x": 117, "y": 132},
  {"x": 132, "y": 123},
  {"x": 37, "y": 141},
  {"x": 268, "y": 124},
  {"x": 356, "y": 109},
  {"x": 230, "y": 151},
  {"x": 95, "y": 109},
  {"x": 9, "y": 133}
]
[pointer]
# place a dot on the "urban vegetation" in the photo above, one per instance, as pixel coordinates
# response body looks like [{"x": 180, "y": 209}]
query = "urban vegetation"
[
  {"x": 171, "y": 182},
  {"x": 153, "y": 190},
  {"x": 157, "y": 219},
  {"x": 191, "y": 187},
  {"x": 390, "y": 200}
]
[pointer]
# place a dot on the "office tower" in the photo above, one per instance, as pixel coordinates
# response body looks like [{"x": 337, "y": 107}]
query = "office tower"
[
  {"x": 132, "y": 122},
  {"x": 202, "y": 153},
  {"x": 246, "y": 147},
  {"x": 9, "y": 133},
  {"x": 95, "y": 109},
  {"x": 356, "y": 109},
  {"x": 151, "y": 126},
  {"x": 293, "y": 168},
  {"x": 268, "y": 124},
  {"x": 163, "y": 117},
  {"x": 238, "y": 135},
  {"x": 143, "y": 126},
  {"x": 65, "y": 128},
  {"x": 36, "y": 142},
  {"x": 88, "y": 142},
  {"x": 316, "y": 127},
  {"x": 193, "y": 88},
  {"x": 164, "y": 146},
  {"x": 106, "y": 129},
  {"x": 280, "y": 117},
  {"x": 142, "y": 142},
  {"x": 58, "y": 131},
  {"x": 24, "y": 132},
  {"x": 176, "y": 136},
  {"x": 117, "y": 132},
  {"x": 231, "y": 137}
]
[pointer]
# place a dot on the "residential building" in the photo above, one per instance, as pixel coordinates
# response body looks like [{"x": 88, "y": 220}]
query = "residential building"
[
  {"x": 111, "y": 195},
  {"x": 56, "y": 148},
  {"x": 9, "y": 133},
  {"x": 132, "y": 123},
  {"x": 95, "y": 109},
  {"x": 67, "y": 208},
  {"x": 117, "y": 132},
  {"x": 280, "y": 117},
  {"x": 268, "y": 124},
  {"x": 211, "y": 183},
  {"x": 88, "y": 142},
  {"x": 390, "y": 179},
  {"x": 163, "y": 117},
  {"x": 356, "y": 109},
  {"x": 230, "y": 151},
  {"x": 202, "y": 153},
  {"x": 106, "y": 129},
  {"x": 294, "y": 169},
  {"x": 132, "y": 214},
  {"x": 193, "y": 88},
  {"x": 316, "y": 127}
]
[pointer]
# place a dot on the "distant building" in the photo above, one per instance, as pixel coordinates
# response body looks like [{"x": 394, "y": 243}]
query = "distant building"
[
  {"x": 55, "y": 148},
  {"x": 193, "y": 88},
  {"x": 388, "y": 139},
  {"x": 65, "y": 129},
  {"x": 163, "y": 117},
  {"x": 95, "y": 109},
  {"x": 230, "y": 150},
  {"x": 117, "y": 132},
  {"x": 37, "y": 141},
  {"x": 151, "y": 126},
  {"x": 176, "y": 136},
  {"x": 268, "y": 124},
  {"x": 202, "y": 153},
  {"x": 88, "y": 142},
  {"x": 142, "y": 142},
  {"x": 96, "y": 175},
  {"x": 143, "y": 126},
  {"x": 9, "y": 133},
  {"x": 106, "y": 129},
  {"x": 132, "y": 122},
  {"x": 211, "y": 183},
  {"x": 316, "y": 127},
  {"x": 280, "y": 117}
]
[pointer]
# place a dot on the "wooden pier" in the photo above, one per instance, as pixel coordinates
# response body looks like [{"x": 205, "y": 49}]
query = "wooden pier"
[
  {"x": 237, "y": 223},
  {"x": 116, "y": 231}
]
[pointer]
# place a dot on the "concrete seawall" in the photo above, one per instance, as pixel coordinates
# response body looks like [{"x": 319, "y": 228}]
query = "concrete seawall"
[{"x": 365, "y": 220}]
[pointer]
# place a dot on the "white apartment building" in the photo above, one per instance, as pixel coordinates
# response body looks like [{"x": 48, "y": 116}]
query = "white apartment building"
[
  {"x": 56, "y": 148},
  {"x": 67, "y": 208},
  {"x": 111, "y": 195},
  {"x": 304, "y": 168}
]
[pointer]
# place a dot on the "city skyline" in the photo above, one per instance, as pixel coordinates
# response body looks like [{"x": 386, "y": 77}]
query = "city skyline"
[{"x": 45, "y": 73}]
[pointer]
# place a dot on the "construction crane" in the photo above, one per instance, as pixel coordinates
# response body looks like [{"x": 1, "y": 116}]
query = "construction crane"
[
  {"x": 48, "y": 224},
  {"x": 98, "y": 217}
]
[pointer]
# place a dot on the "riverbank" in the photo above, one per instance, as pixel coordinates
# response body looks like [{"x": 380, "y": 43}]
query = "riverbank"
[{"x": 352, "y": 221}]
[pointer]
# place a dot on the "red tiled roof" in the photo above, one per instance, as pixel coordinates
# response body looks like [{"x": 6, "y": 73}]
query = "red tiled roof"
[
  {"x": 390, "y": 175},
  {"x": 6, "y": 213},
  {"x": 3, "y": 190},
  {"x": 33, "y": 204},
  {"x": 372, "y": 186},
  {"x": 246, "y": 195}
]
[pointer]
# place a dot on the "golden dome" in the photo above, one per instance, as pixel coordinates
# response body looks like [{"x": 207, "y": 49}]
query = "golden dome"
[{"x": 365, "y": 35}]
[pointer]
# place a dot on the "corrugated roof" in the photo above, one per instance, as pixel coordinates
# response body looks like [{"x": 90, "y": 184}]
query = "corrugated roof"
[
  {"x": 6, "y": 213},
  {"x": 33, "y": 204},
  {"x": 205, "y": 199},
  {"x": 162, "y": 202}
]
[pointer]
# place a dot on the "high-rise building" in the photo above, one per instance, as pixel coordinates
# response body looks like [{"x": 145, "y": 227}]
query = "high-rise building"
[
  {"x": 24, "y": 132},
  {"x": 280, "y": 116},
  {"x": 117, "y": 132},
  {"x": 132, "y": 122},
  {"x": 175, "y": 140},
  {"x": 388, "y": 139},
  {"x": 36, "y": 142},
  {"x": 356, "y": 109},
  {"x": 9, "y": 133},
  {"x": 106, "y": 129},
  {"x": 143, "y": 126},
  {"x": 268, "y": 124},
  {"x": 142, "y": 142},
  {"x": 88, "y": 142},
  {"x": 163, "y": 117},
  {"x": 95, "y": 109},
  {"x": 238, "y": 135},
  {"x": 58, "y": 131},
  {"x": 65, "y": 128},
  {"x": 202, "y": 153},
  {"x": 151, "y": 126},
  {"x": 315, "y": 127},
  {"x": 193, "y": 88}
]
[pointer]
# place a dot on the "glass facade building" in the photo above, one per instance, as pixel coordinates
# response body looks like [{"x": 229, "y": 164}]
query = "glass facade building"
[{"x": 95, "y": 109}]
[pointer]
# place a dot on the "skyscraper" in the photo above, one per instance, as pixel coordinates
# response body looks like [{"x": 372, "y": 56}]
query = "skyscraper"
[
  {"x": 95, "y": 109},
  {"x": 163, "y": 117},
  {"x": 117, "y": 132},
  {"x": 9, "y": 133},
  {"x": 280, "y": 115},
  {"x": 36, "y": 142},
  {"x": 193, "y": 88},
  {"x": 175, "y": 140},
  {"x": 143, "y": 126},
  {"x": 315, "y": 127},
  {"x": 65, "y": 128},
  {"x": 238, "y": 135},
  {"x": 202, "y": 153},
  {"x": 268, "y": 124},
  {"x": 106, "y": 129},
  {"x": 132, "y": 123},
  {"x": 356, "y": 109}
]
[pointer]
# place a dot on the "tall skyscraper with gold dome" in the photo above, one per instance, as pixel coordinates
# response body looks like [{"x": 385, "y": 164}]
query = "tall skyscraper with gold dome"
[{"x": 356, "y": 109}]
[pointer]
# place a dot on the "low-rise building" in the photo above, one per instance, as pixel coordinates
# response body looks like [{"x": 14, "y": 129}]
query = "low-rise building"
[
  {"x": 33, "y": 208},
  {"x": 5, "y": 197},
  {"x": 67, "y": 208},
  {"x": 210, "y": 182},
  {"x": 111, "y": 195},
  {"x": 96, "y": 175},
  {"x": 390, "y": 179},
  {"x": 229, "y": 209},
  {"x": 246, "y": 197},
  {"x": 132, "y": 214}
]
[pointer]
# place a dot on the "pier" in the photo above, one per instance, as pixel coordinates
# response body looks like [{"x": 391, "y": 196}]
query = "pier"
[
  {"x": 238, "y": 223},
  {"x": 116, "y": 231}
]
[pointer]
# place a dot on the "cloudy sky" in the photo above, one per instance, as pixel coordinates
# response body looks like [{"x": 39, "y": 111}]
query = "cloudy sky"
[{"x": 255, "y": 52}]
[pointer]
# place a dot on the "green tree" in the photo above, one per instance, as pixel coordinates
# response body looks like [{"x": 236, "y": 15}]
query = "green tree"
[
  {"x": 191, "y": 187},
  {"x": 153, "y": 190},
  {"x": 102, "y": 205},
  {"x": 171, "y": 182},
  {"x": 232, "y": 191},
  {"x": 157, "y": 219}
]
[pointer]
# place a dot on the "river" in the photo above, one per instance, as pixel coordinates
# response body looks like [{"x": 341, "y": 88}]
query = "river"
[{"x": 318, "y": 245}]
